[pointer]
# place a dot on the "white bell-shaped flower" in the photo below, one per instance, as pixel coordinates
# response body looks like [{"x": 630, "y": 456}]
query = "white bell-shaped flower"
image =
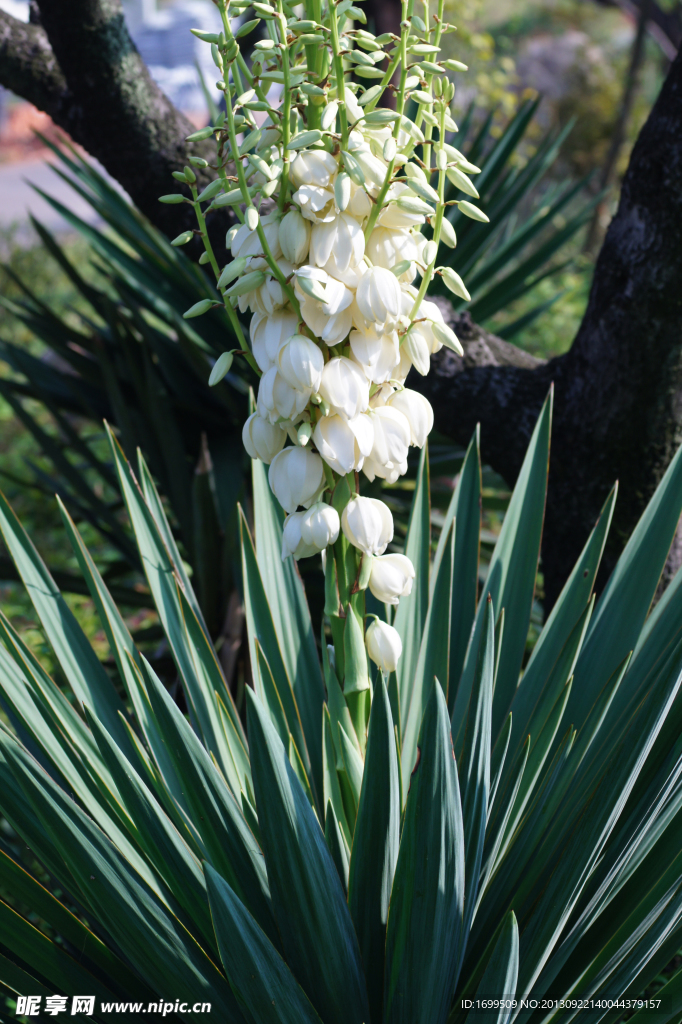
[
  {"x": 313, "y": 167},
  {"x": 391, "y": 577},
  {"x": 247, "y": 243},
  {"x": 386, "y": 247},
  {"x": 292, "y": 540},
  {"x": 417, "y": 349},
  {"x": 360, "y": 205},
  {"x": 378, "y": 297},
  {"x": 391, "y": 436},
  {"x": 378, "y": 354},
  {"x": 320, "y": 526},
  {"x": 397, "y": 217},
  {"x": 373, "y": 167},
  {"x": 344, "y": 387},
  {"x": 277, "y": 400},
  {"x": 341, "y": 236},
  {"x": 270, "y": 296},
  {"x": 316, "y": 204},
  {"x": 367, "y": 524},
  {"x": 351, "y": 276},
  {"x": 417, "y": 411},
  {"x": 300, "y": 362},
  {"x": 296, "y": 477},
  {"x": 353, "y": 109},
  {"x": 262, "y": 439},
  {"x": 294, "y": 236},
  {"x": 330, "y": 319},
  {"x": 344, "y": 444},
  {"x": 267, "y": 334},
  {"x": 384, "y": 645}
]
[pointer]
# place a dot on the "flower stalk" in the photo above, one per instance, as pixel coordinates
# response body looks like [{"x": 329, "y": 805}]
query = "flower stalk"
[{"x": 332, "y": 192}]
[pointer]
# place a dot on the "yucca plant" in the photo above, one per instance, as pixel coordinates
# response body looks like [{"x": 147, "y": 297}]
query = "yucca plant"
[{"x": 501, "y": 832}]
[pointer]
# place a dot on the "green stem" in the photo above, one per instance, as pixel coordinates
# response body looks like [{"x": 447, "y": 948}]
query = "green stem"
[
  {"x": 378, "y": 205},
  {"x": 286, "y": 111},
  {"x": 440, "y": 213},
  {"x": 339, "y": 75},
  {"x": 232, "y": 316}
]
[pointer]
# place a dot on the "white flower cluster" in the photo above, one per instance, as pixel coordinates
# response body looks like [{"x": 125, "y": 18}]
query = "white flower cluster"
[{"x": 332, "y": 262}]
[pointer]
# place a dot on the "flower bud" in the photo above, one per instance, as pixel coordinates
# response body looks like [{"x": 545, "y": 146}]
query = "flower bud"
[
  {"x": 300, "y": 361},
  {"x": 391, "y": 577},
  {"x": 344, "y": 387},
  {"x": 384, "y": 645},
  {"x": 296, "y": 476},
  {"x": 417, "y": 411},
  {"x": 367, "y": 524},
  {"x": 313, "y": 167},
  {"x": 378, "y": 296},
  {"x": 262, "y": 439},
  {"x": 344, "y": 444},
  {"x": 294, "y": 236},
  {"x": 320, "y": 526},
  {"x": 342, "y": 191}
]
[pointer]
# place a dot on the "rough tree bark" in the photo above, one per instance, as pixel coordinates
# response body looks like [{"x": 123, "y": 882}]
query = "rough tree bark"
[
  {"x": 618, "y": 391},
  {"x": 81, "y": 67}
]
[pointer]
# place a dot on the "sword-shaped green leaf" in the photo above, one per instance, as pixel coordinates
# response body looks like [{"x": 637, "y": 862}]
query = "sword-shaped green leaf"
[
  {"x": 262, "y": 983},
  {"x": 375, "y": 846},
  {"x": 410, "y": 615},
  {"x": 434, "y": 657},
  {"x": 424, "y": 936},
  {"x": 499, "y": 979},
  {"x": 318, "y": 938}
]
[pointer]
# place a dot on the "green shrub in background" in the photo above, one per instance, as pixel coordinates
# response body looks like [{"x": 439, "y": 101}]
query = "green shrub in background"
[{"x": 303, "y": 871}]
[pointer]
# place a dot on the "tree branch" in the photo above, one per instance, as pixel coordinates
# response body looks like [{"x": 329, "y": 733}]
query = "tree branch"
[
  {"x": 29, "y": 68},
  {"x": 82, "y": 68}
]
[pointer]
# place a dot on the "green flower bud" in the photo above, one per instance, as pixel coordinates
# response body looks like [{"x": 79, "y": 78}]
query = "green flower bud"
[
  {"x": 461, "y": 182},
  {"x": 305, "y": 139},
  {"x": 252, "y": 219},
  {"x": 455, "y": 65},
  {"x": 184, "y": 238},
  {"x": 247, "y": 27},
  {"x": 198, "y": 308},
  {"x": 447, "y": 337},
  {"x": 198, "y": 161},
  {"x": 204, "y": 259},
  {"x": 203, "y": 133},
  {"x": 422, "y": 189},
  {"x": 454, "y": 282},
  {"x": 210, "y": 191},
  {"x": 422, "y": 97},
  {"x": 232, "y": 270},
  {"x": 180, "y": 176},
  {"x": 353, "y": 168},
  {"x": 220, "y": 368},
  {"x": 430, "y": 252},
  {"x": 469, "y": 210},
  {"x": 173, "y": 199},
  {"x": 342, "y": 191},
  {"x": 246, "y": 284},
  {"x": 390, "y": 149},
  {"x": 447, "y": 233},
  {"x": 401, "y": 268},
  {"x": 411, "y": 204}
]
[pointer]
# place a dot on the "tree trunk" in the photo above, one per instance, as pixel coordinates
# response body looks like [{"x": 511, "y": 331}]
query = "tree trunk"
[
  {"x": 618, "y": 391},
  {"x": 81, "y": 67}
]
